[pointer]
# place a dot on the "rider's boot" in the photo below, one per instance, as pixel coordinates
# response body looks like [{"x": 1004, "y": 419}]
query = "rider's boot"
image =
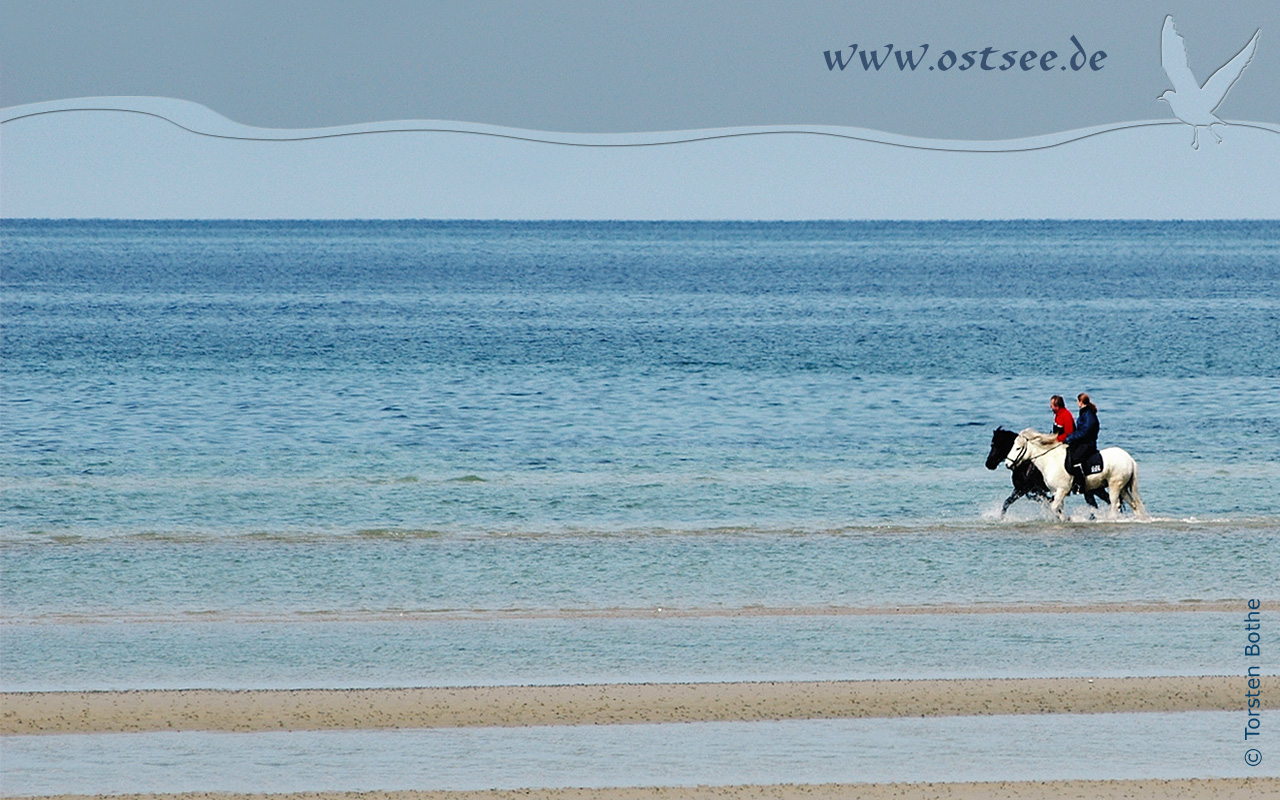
[{"x": 1077, "y": 482}]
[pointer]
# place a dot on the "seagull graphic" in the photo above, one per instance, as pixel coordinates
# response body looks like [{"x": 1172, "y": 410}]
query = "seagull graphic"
[{"x": 1192, "y": 103}]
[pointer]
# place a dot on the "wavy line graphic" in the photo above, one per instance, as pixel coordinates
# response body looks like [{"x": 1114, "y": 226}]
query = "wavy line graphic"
[{"x": 202, "y": 121}]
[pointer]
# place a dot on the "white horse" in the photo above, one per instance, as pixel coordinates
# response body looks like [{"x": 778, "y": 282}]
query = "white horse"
[{"x": 1119, "y": 473}]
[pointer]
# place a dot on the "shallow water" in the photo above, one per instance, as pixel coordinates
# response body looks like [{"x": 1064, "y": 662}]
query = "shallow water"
[
  {"x": 295, "y": 653},
  {"x": 211, "y": 431},
  {"x": 1084, "y": 563},
  {"x": 1060, "y": 746}
]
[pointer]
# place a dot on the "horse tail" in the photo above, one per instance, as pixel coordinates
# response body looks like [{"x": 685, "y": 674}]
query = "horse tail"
[{"x": 1130, "y": 494}]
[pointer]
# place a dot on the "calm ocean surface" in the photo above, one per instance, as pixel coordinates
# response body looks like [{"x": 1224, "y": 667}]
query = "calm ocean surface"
[
  {"x": 208, "y": 427},
  {"x": 1060, "y": 746}
]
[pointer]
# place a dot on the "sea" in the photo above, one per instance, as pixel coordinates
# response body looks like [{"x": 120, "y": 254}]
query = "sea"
[{"x": 285, "y": 454}]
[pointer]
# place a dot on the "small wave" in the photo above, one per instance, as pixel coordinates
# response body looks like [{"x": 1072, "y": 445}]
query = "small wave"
[
  {"x": 361, "y": 615},
  {"x": 399, "y": 533},
  {"x": 1033, "y": 514},
  {"x": 986, "y": 521},
  {"x": 467, "y": 479},
  {"x": 392, "y": 481},
  {"x": 174, "y": 537}
]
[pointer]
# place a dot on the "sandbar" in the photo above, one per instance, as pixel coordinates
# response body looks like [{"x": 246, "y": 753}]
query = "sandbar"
[{"x": 600, "y": 704}]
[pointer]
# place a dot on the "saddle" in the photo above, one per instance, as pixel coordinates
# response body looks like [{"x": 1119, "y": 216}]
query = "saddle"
[{"x": 1092, "y": 465}]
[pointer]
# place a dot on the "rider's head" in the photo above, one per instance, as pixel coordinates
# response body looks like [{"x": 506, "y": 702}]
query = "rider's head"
[
  {"x": 1083, "y": 400},
  {"x": 1056, "y": 402}
]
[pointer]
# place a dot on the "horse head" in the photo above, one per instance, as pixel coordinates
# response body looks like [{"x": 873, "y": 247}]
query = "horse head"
[{"x": 1001, "y": 443}]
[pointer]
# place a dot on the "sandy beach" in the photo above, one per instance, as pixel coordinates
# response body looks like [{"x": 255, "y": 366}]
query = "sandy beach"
[
  {"x": 1215, "y": 789},
  {"x": 322, "y": 709}
]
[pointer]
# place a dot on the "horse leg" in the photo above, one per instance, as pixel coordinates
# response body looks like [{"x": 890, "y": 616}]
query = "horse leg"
[
  {"x": 1042, "y": 498},
  {"x": 1135, "y": 502},
  {"x": 1117, "y": 494},
  {"x": 1092, "y": 496},
  {"x": 1008, "y": 502},
  {"x": 1059, "y": 499}
]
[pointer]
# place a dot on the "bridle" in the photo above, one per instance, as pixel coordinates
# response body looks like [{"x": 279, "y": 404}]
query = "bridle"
[{"x": 1012, "y": 461}]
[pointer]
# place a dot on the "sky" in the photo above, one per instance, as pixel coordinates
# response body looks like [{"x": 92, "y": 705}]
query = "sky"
[{"x": 605, "y": 74}]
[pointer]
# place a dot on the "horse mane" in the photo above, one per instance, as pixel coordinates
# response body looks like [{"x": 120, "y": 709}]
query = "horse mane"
[{"x": 1042, "y": 439}]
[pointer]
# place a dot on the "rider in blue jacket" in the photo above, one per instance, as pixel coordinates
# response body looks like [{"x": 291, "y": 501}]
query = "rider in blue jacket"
[{"x": 1083, "y": 441}]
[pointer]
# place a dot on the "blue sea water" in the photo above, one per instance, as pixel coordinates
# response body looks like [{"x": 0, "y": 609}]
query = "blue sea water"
[{"x": 212, "y": 425}]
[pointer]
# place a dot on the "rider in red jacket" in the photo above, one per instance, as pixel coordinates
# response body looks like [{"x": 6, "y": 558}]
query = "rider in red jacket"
[{"x": 1063, "y": 424}]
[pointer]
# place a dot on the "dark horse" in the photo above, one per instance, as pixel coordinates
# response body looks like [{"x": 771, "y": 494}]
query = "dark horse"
[{"x": 1027, "y": 480}]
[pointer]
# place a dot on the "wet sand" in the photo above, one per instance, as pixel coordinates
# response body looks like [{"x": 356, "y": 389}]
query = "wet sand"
[
  {"x": 351, "y": 709},
  {"x": 1150, "y": 789}
]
